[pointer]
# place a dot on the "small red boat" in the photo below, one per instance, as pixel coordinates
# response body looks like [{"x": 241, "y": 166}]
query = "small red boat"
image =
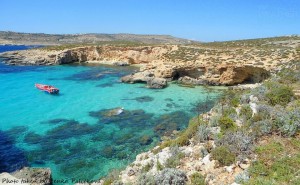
[{"x": 47, "y": 88}]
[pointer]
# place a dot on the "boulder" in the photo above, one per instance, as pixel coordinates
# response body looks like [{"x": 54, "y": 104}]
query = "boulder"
[
  {"x": 6, "y": 178},
  {"x": 35, "y": 175},
  {"x": 157, "y": 83},
  {"x": 121, "y": 63}
]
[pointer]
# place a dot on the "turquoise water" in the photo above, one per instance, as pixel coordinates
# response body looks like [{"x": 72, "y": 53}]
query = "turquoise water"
[{"x": 72, "y": 132}]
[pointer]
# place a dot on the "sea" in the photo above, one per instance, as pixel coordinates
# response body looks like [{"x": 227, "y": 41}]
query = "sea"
[{"x": 77, "y": 133}]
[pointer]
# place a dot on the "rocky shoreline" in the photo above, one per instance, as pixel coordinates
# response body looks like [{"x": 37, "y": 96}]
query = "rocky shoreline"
[
  {"x": 28, "y": 176},
  {"x": 156, "y": 70}
]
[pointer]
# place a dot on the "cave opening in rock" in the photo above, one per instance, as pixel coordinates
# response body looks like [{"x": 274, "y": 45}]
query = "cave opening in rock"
[
  {"x": 250, "y": 80},
  {"x": 176, "y": 76}
]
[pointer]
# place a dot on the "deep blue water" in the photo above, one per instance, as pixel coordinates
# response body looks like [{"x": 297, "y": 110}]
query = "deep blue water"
[{"x": 73, "y": 133}]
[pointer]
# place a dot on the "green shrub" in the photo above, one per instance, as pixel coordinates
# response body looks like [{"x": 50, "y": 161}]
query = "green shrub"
[
  {"x": 287, "y": 122},
  {"x": 183, "y": 137},
  {"x": 227, "y": 123},
  {"x": 197, "y": 179},
  {"x": 171, "y": 176},
  {"x": 263, "y": 127},
  {"x": 159, "y": 166},
  {"x": 202, "y": 133},
  {"x": 147, "y": 167},
  {"x": 146, "y": 179},
  {"x": 214, "y": 120},
  {"x": 228, "y": 111},
  {"x": 279, "y": 94},
  {"x": 279, "y": 161},
  {"x": 174, "y": 160},
  {"x": 235, "y": 101},
  {"x": 223, "y": 155},
  {"x": 242, "y": 177},
  {"x": 246, "y": 112},
  {"x": 239, "y": 143}
]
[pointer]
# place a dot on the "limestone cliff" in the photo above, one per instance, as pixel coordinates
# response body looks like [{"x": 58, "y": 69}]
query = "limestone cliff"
[
  {"x": 131, "y": 55},
  {"x": 195, "y": 65}
]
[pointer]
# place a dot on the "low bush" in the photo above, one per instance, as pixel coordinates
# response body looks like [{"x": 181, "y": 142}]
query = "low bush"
[
  {"x": 197, "y": 179},
  {"x": 287, "y": 122},
  {"x": 240, "y": 143},
  {"x": 259, "y": 92},
  {"x": 278, "y": 94},
  {"x": 235, "y": 101},
  {"x": 159, "y": 166},
  {"x": 246, "y": 112},
  {"x": 174, "y": 160},
  {"x": 171, "y": 176},
  {"x": 146, "y": 179},
  {"x": 260, "y": 128},
  {"x": 223, "y": 155},
  {"x": 214, "y": 120},
  {"x": 278, "y": 160},
  {"x": 202, "y": 133},
  {"x": 183, "y": 137},
  {"x": 242, "y": 177},
  {"x": 227, "y": 123},
  {"x": 147, "y": 167}
]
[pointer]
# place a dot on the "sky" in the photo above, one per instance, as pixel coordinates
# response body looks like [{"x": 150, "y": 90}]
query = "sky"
[{"x": 202, "y": 20}]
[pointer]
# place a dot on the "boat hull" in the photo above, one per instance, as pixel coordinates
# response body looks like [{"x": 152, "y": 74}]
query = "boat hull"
[{"x": 47, "y": 88}]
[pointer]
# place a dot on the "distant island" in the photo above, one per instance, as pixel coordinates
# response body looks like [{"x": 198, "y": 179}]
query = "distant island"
[{"x": 15, "y": 38}]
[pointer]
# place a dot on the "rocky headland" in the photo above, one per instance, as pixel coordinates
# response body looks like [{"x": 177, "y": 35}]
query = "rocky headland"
[
  {"x": 225, "y": 63},
  {"x": 16, "y": 38}
]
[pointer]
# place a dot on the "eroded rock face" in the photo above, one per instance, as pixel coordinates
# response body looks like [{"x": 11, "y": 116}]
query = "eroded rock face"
[
  {"x": 145, "y": 77},
  {"x": 113, "y": 54},
  {"x": 156, "y": 69},
  {"x": 202, "y": 74},
  {"x": 240, "y": 74}
]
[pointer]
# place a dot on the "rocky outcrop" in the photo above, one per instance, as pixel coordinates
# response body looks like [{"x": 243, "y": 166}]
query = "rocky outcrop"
[
  {"x": 29, "y": 176},
  {"x": 195, "y": 158},
  {"x": 193, "y": 74},
  {"x": 156, "y": 83},
  {"x": 156, "y": 69},
  {"x": 145, "y": 77},
  {"x": 101, "y": 54}
]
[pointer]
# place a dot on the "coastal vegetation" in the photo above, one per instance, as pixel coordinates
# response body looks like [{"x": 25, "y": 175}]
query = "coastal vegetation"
[
  {"x": 252, "y": 133},
  {"x": 120, "y": 43},
  {"x": 254, "y": 130}
]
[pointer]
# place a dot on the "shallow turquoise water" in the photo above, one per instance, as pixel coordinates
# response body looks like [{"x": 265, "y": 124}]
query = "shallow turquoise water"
[{"x": 70, "y": 132}]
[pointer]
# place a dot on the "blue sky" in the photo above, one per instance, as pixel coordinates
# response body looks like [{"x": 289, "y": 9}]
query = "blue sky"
[{"x": 204, "y": 20}]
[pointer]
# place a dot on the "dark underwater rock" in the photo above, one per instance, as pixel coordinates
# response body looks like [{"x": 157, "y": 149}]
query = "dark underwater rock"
[
  {"x": 16, "y": 131},
  {"x": 167, "y": 123},
  {"x": 11, "y": 157},
  {"x": 165, "y": 128},
  {"x": 141, "y": 99},
  {"x": 57, "y": 121},
  {"x": 144, "y": 99},
  {"x": 145, "y": 140},
  {"x": 168, "y": 99},
  {"x": 33, "y": 138},
  {"x": 71, "y": 129},
  {"x": 108, "y": 152},
  {"x": 128, "y": 117},
  {"x": 105, "y": 85}
]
